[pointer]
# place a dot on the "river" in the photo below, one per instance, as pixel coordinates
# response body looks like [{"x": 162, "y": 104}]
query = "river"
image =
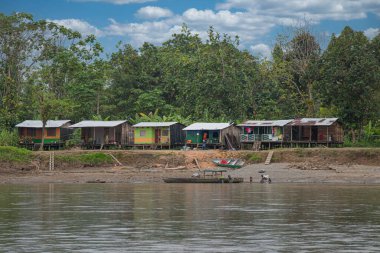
[{"x": 189, "y": 218}]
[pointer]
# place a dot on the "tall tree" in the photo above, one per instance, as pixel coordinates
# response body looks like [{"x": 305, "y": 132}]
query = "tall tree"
[
  {"x": 21, "y": 42},
  {"x": 301, "y": 51},
  {"x": 349, "y": 72},
  {"x": 50, "y": 108}
]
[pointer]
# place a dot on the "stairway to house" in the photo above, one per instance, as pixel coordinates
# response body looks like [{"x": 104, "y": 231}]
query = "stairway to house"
[{"x": 269, "y": 158}]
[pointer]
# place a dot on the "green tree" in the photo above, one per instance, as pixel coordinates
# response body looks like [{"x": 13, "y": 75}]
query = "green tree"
[
  {"x": 300, "y": 54},
  {"x": 50, "y": 108},
  {"x": 21, "y": 41},
  {"x": 350, "y": 80}
]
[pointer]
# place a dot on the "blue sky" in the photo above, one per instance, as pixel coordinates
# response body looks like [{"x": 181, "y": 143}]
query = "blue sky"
[{"x": 257, "y": 22}]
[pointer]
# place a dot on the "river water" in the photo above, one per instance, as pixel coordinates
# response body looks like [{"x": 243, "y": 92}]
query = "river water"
[{"x": 189, "y": 218}]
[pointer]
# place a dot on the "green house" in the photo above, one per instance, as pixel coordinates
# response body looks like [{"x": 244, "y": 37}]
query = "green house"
[
  {"x": 159, "y": 133},
  {"x": 214, "y": 134},
  {"x": 55, "y": 134}
]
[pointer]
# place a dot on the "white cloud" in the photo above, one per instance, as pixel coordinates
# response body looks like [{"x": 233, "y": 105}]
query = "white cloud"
[
  {"x": 371, "y": 32},
  {"x": 79, "y": 25},
  {"x": 138, "y": 33},
  {"x": 247, "y": 27},
  {"x": 152, "y": 12},
  {"x": 251, "y": 20},
  {"x": 261, "y": 50},
  {"x": 119, "y": 2},
  {"x": 314, "y": 9}
]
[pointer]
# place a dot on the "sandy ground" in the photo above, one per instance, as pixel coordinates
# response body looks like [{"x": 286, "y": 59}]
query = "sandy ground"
[{"x": 279, "y": 173}]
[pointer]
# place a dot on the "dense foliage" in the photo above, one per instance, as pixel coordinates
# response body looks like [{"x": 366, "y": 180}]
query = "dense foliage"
[{"x": 48, "y": 71}]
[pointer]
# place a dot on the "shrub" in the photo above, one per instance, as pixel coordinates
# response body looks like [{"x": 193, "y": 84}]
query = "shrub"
[
  {"x": 9, "y": 138},
  {"x": 75, "y": 139}
]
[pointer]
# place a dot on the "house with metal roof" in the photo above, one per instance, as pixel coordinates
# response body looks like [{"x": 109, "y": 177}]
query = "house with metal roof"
[
  {"x": 159, "y": 134},
  {"x": 55, "y": 134},
  {"x": 314, "y": 131},
  {"x": 262, "y": 130},
  {"x": 214, "y": 135},
  {"x": 105, "y": 134},
  {"x": 258, "y": 134}
]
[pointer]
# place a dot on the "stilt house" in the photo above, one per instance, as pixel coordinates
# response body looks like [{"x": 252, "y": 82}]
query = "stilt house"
[
  {"x": 103, "y": 134},
  {"x": 162, "y": 134},
  {"x": 263, "y": 130},
  {"x": 56, "y": 133},
  {"x": 266, "y": 133},
  {"x": 326, "y": 131},
  {"x": 215, "y": 135}
]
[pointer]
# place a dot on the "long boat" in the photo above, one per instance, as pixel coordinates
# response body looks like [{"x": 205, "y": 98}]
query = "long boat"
[
  {"x": 203, "y": 180},
  {"x": 229, "y": 163},
  {"x": 214, "y": 176}
]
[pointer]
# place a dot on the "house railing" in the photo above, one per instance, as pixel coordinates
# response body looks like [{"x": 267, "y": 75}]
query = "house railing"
[{"x": 257, "y": 137}]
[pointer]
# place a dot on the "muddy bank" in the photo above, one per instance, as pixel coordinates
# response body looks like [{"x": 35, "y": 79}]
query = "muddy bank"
[{"x": 295, "y": 165}]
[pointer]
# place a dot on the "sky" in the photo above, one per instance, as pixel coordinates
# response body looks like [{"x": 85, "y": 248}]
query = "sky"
[{"x": 256, "y": 22}]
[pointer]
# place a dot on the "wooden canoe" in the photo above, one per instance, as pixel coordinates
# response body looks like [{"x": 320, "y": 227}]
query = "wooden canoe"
[{"x": 203, "y": 180}]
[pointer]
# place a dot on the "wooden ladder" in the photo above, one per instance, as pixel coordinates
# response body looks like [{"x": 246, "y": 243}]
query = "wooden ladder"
[{"x": 269, "y": 158}]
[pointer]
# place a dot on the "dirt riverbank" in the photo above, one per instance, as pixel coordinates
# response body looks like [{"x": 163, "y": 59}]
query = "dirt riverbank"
[{"x": 358, "y": 166}]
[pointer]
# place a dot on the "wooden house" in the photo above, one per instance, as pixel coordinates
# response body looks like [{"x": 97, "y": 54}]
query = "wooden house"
[
  {"x": 159, "y": 134},
  {"x": 267, "y": 133},
  {"x": 215, "y": 134},
  {"x": 104, "y": 134},
  {"x": 314, "y": 131},
  {"x": 55, "y": 134}
]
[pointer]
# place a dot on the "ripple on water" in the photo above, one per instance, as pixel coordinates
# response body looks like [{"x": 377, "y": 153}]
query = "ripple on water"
[{"x": 181, "y": 218}]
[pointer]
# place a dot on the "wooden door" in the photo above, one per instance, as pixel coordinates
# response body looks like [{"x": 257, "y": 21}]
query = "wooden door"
[{"x": 157, "y": 135}]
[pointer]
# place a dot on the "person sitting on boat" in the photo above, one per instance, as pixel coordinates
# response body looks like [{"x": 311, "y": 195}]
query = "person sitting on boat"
[{"x": 265, "y": 179}]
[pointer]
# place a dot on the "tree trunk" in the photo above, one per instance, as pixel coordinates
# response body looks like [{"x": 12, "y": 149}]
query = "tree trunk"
[
  {"x": 43, "y": 136},
  {"x": 353, "y": 136},
  {"x": 310, "y": 102}
]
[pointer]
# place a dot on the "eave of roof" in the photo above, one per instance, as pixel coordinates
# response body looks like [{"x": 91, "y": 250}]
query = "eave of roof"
[
  {"x": 313, "y": 122},
  {"x": 38, "y": 123},
  {"x": 264, "y": 123},
  {"x": 207, "y": 126},
  {"x": 98, "y": 123},
  {"x": 154, "y": 124}
]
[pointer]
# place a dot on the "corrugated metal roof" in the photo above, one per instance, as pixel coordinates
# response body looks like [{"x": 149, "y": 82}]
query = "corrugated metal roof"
[
  {"x": 38, "y": 123},
  {"x": 265, "y": 122},
  {"x": 207, "y": 126},
  {"x": 154, "y": 124},
  {"x": 313, "y": 122},
  {"x": 98, "y": 123}
]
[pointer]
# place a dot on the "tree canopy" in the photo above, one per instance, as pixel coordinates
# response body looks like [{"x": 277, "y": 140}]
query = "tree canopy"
[{"x": 47, "y": 67}]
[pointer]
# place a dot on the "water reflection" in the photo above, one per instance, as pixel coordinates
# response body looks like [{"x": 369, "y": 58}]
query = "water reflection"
[{"x": 181, "y": 218}]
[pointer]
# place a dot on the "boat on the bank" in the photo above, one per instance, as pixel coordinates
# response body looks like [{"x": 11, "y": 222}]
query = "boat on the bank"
[
  {"x": 229, "y": 163},
  {"x": 208, "y": 176}
]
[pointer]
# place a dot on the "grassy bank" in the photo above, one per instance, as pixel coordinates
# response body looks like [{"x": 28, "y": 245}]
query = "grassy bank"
[
  {"x": 15, "y": 155},
  {"x": 19, "y": 158}
]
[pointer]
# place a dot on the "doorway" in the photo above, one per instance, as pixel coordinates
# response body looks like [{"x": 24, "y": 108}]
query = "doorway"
[
  {"x": 314, "y": 133},
  {"x": 157, "y": 135}
]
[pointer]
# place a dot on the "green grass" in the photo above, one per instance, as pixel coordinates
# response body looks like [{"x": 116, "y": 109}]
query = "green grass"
[
  {"x": 362, "y": 144},
  {"x": 256, "y": 158},
  {"x": 95, "y": 159},
  {"x": 13, "y": 154},
  {"x": 90, "y": 159}
]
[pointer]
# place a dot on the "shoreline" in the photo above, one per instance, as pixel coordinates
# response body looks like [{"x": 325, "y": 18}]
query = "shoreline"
[
  {"x": 309, "y": 166},
  {"x": 279, "y": 173}
]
